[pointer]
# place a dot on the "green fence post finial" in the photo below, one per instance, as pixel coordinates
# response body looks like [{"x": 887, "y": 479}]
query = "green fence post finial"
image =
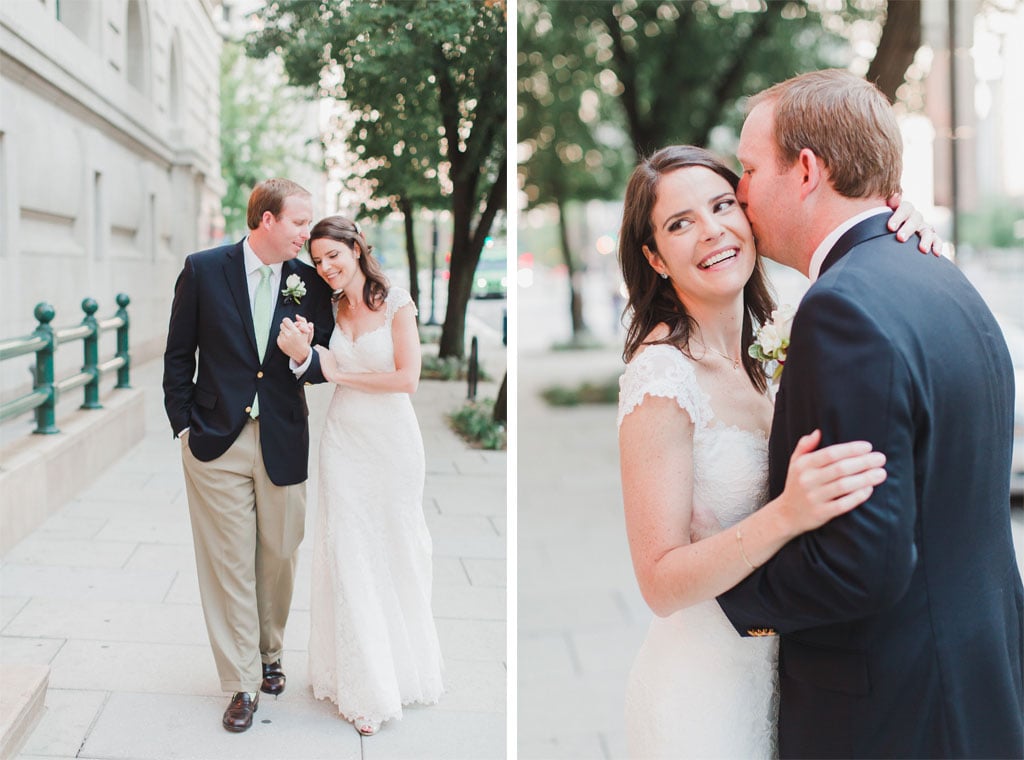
[
  {"x": 122, "y": 341},
  {"x": 46, "y": 416},
  {"x": 91, "y": 355}
]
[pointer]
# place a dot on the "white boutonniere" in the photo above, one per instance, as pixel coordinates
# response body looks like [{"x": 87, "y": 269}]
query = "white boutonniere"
[
  {"x": 771, "y": 341},
  {"x": 294, "y": 289}
]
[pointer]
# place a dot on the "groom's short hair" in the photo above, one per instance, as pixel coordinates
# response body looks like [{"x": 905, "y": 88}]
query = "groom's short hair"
[
  {"x": 269, "y": 195},
  {"x": 847, "y": 122}
]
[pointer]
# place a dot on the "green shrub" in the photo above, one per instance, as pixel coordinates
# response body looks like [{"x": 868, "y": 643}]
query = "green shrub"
[
  {"x": 449, "y": 368},
  {"x": 430, "y": 334},
  {"x": 474, "y": 421},
  {"x": 993, "y": 226},
  {"x": 586, "y": 393},
  {"x": 581, "y": 342}
]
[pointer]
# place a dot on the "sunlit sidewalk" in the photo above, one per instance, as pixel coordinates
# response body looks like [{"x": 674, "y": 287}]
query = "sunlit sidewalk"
[{"x": 105, "y": 593}]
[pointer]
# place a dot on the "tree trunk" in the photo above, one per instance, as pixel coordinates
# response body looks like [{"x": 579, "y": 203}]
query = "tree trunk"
[
  {"x": 405, "y": 206},
  {"x": 461, "y": 267},
  {"x": 501, "y": 403},
  {"x": 901, "y": 37},
  {"x": 575, "y": 296},
  {"x": 467, "y": 243}
]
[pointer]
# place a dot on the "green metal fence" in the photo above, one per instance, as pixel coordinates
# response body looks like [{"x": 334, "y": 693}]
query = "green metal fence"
[{"x": 45, "y": 339}]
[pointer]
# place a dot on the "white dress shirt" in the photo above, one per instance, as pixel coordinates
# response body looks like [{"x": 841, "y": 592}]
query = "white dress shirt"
[
  {"x": 822, "y": 251},
  {"x": 252, "y": 275}
]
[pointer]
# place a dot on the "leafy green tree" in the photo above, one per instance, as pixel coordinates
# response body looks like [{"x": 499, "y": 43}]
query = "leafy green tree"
[
  {"x": 424, "y": 81},
  {"x": 666, "y": 72},
  {"x": 571, "y": 149},
  {"x": 405, "y": 183},
  {"x": 677, "y": 69},
  {"x": 257, "y": 134}
]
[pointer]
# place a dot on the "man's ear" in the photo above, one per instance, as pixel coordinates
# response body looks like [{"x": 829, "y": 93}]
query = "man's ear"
[{"x": 812, "y": 172}]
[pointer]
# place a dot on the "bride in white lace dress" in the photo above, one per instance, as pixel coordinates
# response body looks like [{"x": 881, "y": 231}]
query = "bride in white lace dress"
[
  {"x": 373, "y": 645},
  {"x": 694, "y": 413}
]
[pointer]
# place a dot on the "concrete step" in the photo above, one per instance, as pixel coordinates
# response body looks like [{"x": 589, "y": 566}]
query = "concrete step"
[
  {"x": 41, "y": 473},
  {"x": 22, "y": 700}
]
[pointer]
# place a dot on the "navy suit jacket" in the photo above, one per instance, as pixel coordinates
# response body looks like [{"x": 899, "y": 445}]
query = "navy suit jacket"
[
  {"x": 211, "y": 314},
  {"x": 902, "y": 622}
]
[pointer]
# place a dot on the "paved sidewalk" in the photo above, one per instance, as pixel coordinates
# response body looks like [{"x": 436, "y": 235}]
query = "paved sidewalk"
[
  {"x": 105, "y": 592},
  {"x": 581, "y": 617}
]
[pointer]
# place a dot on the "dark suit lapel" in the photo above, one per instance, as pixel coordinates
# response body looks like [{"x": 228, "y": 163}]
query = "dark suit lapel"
[
  {"x": 873, "y": 227},
  {"x": 234, "y": 273}
]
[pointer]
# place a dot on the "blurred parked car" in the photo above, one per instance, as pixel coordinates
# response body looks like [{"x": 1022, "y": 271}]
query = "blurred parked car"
[
  {"x": 491, "y": 279},
  {"x": 1015, "y": 341}
]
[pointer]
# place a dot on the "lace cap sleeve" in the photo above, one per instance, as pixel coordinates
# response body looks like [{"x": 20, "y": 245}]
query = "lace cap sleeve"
[
  {"x": 662, "y": 370},
  {"x": 397, "y": 298}
]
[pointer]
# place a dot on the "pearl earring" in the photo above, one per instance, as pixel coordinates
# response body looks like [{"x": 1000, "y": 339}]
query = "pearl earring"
[{"x": 664, "y": 275}]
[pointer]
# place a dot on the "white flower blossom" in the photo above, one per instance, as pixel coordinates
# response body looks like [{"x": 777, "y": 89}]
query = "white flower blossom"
[
  {"x": 769, "y": 339},
  {"x": 294, "y": 288},
  {"x": 771, "y": 342}
]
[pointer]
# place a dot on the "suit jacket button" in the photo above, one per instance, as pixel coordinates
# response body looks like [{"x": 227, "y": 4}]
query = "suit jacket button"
[
  {"x": 259, "y": 374},
  {"x": 248, "y": 409}
]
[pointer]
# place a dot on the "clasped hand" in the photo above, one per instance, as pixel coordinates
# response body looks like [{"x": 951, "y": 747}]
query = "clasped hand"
[{"x": 295, "y": 338}]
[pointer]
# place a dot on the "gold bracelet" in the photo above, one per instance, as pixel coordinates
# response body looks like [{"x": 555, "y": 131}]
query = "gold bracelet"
[{"x": 739, "y": 540}]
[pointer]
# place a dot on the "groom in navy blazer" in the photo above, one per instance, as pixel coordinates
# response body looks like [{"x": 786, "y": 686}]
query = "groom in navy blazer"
[
  {"x": 901, "y": 622},
  {"x": 242, "y": 420}
]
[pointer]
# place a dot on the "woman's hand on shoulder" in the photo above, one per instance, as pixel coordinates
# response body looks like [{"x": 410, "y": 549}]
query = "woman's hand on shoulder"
[
  {"x": 822, "y": 484},
  {"x": 907, "y": 220}
]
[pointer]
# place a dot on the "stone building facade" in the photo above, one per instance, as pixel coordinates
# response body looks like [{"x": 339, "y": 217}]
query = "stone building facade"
[{"x": 109, "y": 160}]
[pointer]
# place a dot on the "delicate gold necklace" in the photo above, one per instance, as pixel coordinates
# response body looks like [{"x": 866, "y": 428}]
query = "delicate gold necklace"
[{"x": 735, "y": 362}]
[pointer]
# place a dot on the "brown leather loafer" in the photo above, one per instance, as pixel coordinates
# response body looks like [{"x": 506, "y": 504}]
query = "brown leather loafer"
[
  {"x": 238, "y": 716},
  {"x": 273, "y": 678}
]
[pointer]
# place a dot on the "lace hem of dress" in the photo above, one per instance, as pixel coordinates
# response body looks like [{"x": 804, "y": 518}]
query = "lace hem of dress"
[{"x": 377, "y": 718}]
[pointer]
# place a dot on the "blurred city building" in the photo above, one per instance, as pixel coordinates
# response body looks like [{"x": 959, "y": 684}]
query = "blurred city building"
[{"x": 972, "y": 67}]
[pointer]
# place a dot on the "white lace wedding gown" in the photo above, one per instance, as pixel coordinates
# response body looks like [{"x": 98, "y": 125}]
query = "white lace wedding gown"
[
  {"x": 373, "y": 644},
  {"x": 697, "y": 688}
]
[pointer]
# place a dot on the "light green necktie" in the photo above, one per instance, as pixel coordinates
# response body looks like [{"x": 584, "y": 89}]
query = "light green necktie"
[{"x": 262, "y": 312}]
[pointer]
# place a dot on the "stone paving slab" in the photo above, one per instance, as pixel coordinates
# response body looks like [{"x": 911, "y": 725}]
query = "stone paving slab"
[
  {"x": 94, "y": 584},
  {"x": 105, "y": 593},
  {"x": 65, "y": 723},
  {"x": 178, "y": 727}
]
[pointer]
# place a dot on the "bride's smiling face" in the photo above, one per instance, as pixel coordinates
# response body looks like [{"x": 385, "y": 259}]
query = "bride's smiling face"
[
  {"x": 336, "y": 263},
  {"x": 702, "y": 238}
]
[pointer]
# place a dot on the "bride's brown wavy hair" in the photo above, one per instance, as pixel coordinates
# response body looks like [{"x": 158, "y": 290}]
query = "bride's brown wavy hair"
[
  {"x": 346, "y": 231},
  {"x": 652, "y": 300}
]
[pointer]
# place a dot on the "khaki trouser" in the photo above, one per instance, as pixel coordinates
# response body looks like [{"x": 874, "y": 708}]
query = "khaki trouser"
[{"x": 247, "y": 533}]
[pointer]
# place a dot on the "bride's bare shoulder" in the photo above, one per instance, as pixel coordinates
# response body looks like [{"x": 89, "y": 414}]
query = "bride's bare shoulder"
[{"x": 658, "y": 333}]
